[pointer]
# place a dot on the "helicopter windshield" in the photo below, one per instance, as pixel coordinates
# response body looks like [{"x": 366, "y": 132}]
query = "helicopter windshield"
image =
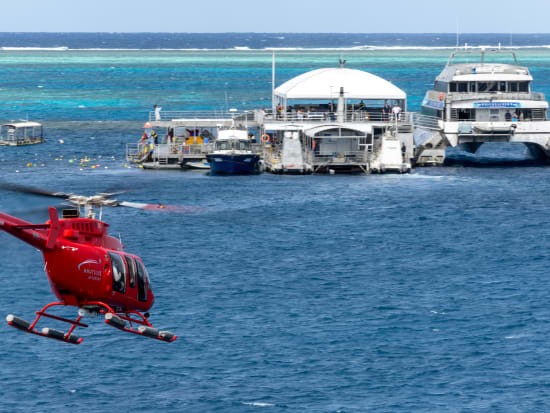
[{"x": 119, "y": 272}]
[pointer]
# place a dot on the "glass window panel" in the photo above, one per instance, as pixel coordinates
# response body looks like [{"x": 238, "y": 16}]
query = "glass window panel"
[{"x": 118, "y": 271}]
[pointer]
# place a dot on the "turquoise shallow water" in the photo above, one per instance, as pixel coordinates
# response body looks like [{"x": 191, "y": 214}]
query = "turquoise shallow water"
[
  {"x": 423, "y": 292},
  {"x": 124, "y": 85}
]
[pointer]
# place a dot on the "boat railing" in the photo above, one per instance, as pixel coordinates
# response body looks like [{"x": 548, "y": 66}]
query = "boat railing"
[
  {"x": 183, "y": 114},
  {"x": 535, "y": 96},
  {"x": 348, "y": 116},
  {"x": 466, "y": 127},
  {"x": 196, "y": 148},
  {"x": 342, "y": 158},
  {"x": 137, "y": 151},
  {"x": 257, "y": 147},
  {"x": 426, "y": 121}
]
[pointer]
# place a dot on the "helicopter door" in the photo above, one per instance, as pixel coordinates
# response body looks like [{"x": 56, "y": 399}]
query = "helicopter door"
[
  {"x": 119, "y": 272},
  {"x": 142, "y": 281},
  {"x": 131, "y": 271}
]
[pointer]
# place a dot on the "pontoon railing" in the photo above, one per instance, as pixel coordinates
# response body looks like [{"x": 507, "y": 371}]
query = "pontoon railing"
[
  {"x": 342, "y": 158},
  {"x": 182, "y": 114},
  {"x": 348, "y": 116}
]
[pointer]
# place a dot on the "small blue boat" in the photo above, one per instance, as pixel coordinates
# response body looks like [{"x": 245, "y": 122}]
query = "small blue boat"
[{"x": 232, "y": 154}]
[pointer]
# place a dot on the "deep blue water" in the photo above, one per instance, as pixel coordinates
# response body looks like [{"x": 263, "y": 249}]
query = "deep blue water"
[
  {"x": 423, "y": 292},
  {"x": 264, "y": 40}
]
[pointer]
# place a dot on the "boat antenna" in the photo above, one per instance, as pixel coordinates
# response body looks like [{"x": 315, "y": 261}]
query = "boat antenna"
[
  {"x": 273, "y": 81},
  {"x": 457, "y": 33},
  {"x": 226, "y": 107}
]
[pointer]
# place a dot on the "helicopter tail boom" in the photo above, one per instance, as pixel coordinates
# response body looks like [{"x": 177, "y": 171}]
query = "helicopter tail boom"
[
  {"x": 24, "y": 230},
  {"x": 33, "y": 234}
]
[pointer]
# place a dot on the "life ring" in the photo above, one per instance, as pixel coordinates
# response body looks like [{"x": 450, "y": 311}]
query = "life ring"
[{"x": 266, "y": 138}]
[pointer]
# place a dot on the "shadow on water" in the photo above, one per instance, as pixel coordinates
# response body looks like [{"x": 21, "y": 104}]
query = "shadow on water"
[{"x": 497, "y": 155}]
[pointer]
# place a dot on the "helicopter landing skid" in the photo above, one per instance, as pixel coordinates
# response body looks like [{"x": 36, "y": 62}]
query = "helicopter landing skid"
[
  {"x": 138, "y": 323},
  {"x": 27, "y": 327}
]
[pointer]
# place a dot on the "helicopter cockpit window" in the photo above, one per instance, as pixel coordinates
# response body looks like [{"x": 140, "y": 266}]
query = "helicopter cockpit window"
[
  {"x": 119, "y": 272},
  {"x": 143, "y": 280},
  {"x": 131, "y": 271}
]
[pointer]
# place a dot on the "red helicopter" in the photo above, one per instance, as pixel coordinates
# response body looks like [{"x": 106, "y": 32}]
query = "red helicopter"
[{"x": 87, "y": 268}]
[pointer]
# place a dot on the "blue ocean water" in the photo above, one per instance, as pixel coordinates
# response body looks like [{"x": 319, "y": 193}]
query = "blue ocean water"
[{"x": 421, "y": 292}]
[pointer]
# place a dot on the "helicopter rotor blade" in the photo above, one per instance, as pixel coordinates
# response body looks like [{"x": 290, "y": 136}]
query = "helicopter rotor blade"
[
  {"x": 31, "y": 190},
  {"x": 103, "y": 199},
  {"x": 159, "y": 207}
]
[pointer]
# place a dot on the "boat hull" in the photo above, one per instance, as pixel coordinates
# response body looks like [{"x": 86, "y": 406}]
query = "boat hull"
[{"x": 237, "y": 164}]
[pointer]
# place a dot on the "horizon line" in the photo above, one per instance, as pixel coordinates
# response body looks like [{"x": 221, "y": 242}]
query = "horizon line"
[{"x": 231, "y": 32}]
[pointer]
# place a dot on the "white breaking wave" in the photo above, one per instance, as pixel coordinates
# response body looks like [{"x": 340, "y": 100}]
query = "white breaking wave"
[
  {"x": 258, "y": 404},
  {"x": 293, "y": 48},
  {"x": 61, "y": 48}
]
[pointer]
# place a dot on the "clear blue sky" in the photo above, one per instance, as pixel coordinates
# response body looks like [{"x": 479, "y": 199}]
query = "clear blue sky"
[{"x": 354, "y": 16}]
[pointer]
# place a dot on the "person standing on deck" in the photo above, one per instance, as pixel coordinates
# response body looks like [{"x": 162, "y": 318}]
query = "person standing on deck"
[
  {"x": 157, "y": 110},
  {"x": 386, "y": 111},
  {"x": 396, "y": 111}
]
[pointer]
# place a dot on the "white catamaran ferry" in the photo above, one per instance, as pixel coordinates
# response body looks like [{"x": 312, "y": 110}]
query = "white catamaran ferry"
[{"x": 483, "y": 102}]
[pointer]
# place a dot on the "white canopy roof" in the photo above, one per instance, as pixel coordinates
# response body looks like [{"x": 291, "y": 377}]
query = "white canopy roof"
[
  {"x": 225, "y": 134},
  {"x": 364, "y": 128},
  {"x": 23, "y": 125},
  {"x": 326, "y": 83}
]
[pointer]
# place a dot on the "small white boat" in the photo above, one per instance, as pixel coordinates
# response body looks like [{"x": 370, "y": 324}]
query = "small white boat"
[
  {"x": 21, "y": 133},
  {"x": 390, "y": 158},
  {"x": 196, "y": 165}
]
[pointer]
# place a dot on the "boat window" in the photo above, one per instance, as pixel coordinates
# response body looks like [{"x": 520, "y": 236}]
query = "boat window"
[
  {"x": 524, "y": 86},
  {"x": 131, "y": 271},
  {"x": 462, "y": 86},
  {"x": 493, "y": 87},
  {"x": 482, "y": 87},
  {"x": 513, "y": 86},
  {"x": 441, "y": 87},
  {"x": 223, "y": 145},
  {"x": 241, "y": 145},
  {"x": 118, "y": 272},
  {"x": 452, "y": 87},
  {"x": 472, "y": 87},
  {"x": 143, "y": 280},
  {"x": 502, "y": 86}
]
